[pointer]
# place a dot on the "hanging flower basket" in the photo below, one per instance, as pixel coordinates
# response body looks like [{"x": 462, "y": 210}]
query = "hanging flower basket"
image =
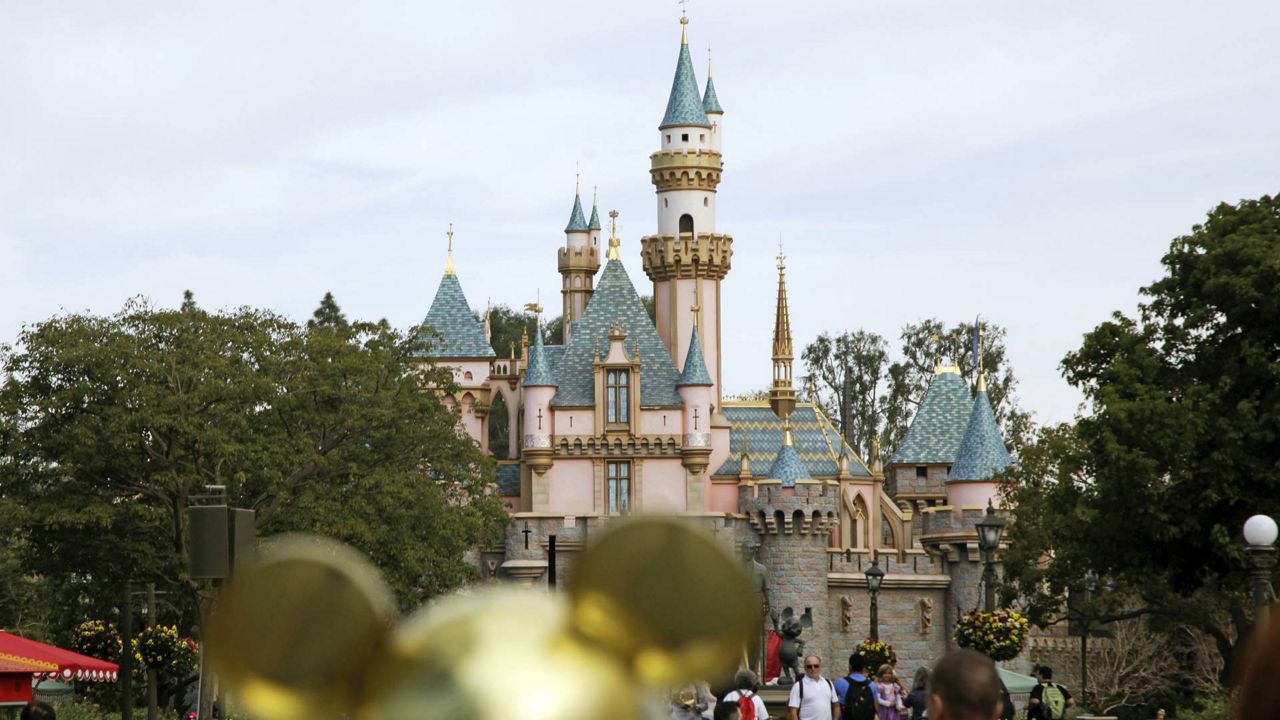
[
  {"x": 97, "y": 639},
  {"x": 160, "y": 648},
  {"x": 876, "y": 653},
  {"x": 999, "y": 635}
]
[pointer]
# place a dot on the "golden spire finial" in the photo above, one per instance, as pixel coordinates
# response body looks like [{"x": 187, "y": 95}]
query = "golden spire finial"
[
  {"x": 577, "y": 178},
  {"x": 448, "y": 266},
  {"x": 782, "y": 259},
  {"x": 684, "y": 22},
  {"x": 536, "y": 307},
  {"x": 614, "y": 242}
]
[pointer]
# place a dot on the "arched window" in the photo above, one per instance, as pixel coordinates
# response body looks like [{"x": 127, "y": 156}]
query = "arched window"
[
  {"x": 499, "y": 428},
  {"x": 686, "y": 224}
]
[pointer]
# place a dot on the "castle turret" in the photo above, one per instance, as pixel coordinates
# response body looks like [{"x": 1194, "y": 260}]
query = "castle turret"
[
  {"x": 687, "y": 259},
  {"x": 695, "y": 392},
  {"x": 981, "y": 457},
  {"x": 593, "y": 225},
  {"x": 711, "y": 106},
  {"x": 539, "y": 389},
  {"x": 578, "y": 262}
]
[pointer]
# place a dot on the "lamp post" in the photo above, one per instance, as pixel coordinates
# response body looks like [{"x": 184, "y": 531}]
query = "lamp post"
[
  {"x": 989, "y": 531},
  {"x": 1260, "y": 533},
  {"x": 875, "y": 575}
]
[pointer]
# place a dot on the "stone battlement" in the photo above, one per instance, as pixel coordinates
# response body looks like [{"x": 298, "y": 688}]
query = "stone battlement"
[
  {"x": 808, "y": 509},
  {"x": 586, "y": 257}
]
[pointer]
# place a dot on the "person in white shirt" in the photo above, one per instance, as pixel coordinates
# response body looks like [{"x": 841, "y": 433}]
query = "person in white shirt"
[
  {"x": 814, "y": 697},
  {"x": 745, "y": 681}
]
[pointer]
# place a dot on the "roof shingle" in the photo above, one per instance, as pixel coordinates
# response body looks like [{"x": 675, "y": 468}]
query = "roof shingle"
[
  {"x": 982, "y": 452},
  {"x": 817, "y": 442},
  {"x": 939, "y": 424},
  {"x": 461, "y": 335}
]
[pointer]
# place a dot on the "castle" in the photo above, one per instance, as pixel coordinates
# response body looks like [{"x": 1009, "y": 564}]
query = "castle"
[{"x": 628, "y": 415}]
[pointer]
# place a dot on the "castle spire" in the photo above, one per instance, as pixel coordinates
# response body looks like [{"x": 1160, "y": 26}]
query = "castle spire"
[
  {"x": 594, "y": 222},
  {"x": 448, "y": 264},
  {"x": 782, "y": 396},
  {"x": 710, "y": 103},
  {"x": 684, "y": 106},
  {"x": 577, "y": 221}
]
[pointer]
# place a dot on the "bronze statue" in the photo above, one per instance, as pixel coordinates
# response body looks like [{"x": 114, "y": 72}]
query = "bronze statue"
[{"x": 791, "y": 652}]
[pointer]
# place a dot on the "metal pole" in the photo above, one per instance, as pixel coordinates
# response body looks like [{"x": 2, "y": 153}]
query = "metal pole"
[
  {"x": 875, "y": 615},
  {"x": 551, "y": 562},
  {"x": 989, "y": 581},
  {"x": 1263, "y": 561},
  {"x": 153, "y": 677},
  {"x": 1084, "y": 655},
  {"x": 126, "y": 653}
]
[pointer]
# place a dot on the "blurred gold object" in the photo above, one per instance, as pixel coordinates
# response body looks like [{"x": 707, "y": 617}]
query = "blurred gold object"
[
  {"x": 666, "y": 599},
  {"x": 295, "y": 633},
  {"x": 499, "y": 654},
  {"x": 654, "y": 603}
]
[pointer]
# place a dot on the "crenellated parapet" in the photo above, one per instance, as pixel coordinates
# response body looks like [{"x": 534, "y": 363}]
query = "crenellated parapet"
[
  {"x": 686, "y": 256},
  {"x": 694, "y": 169},
  {"x": 585, "y": 258},
  {"x": 812, "y": 509}
]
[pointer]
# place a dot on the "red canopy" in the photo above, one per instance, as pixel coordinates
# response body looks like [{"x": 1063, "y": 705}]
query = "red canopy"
[{"x": 18, "y": 654}]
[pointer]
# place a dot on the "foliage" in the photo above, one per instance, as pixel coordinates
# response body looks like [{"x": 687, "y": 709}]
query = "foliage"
[
  {"x": 876, "y": 653},
  {"x": 872, "y": 397},
  {"x": 1177, "y": 445},
  {"x": 1216, "y": 706},
  {"x": 1000, "y": 635},
  {"x": 112, "y": 423},
  {"x": 82, "y": 709},
  {"x": 98, "y": 639},
  {"x": 1139, "y": 666},
  {"x": 499, "y": 428}
]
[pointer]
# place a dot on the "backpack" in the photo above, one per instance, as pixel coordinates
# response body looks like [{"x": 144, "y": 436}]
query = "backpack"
[
  {"x": 857, "y": 703},
  {"x": 1054, "y": 701},
  {"x": 747, "y": 705}
]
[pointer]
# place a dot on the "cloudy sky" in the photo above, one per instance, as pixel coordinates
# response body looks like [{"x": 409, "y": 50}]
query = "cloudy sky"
[{"x": 1029, "y": 161}]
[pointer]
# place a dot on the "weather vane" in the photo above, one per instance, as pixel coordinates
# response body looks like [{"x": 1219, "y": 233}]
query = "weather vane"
[
  {"x": 448, "y": 268},
  {"x": 782, "y": 259}
]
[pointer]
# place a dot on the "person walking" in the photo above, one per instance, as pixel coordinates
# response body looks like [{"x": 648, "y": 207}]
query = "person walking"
[
  {"x": 750, "y": 705},
  {"x": 889, "y": 694},
  {"x": 964, "y": 686},
  {"x": 1049, "y": 700},
  {"x": 813, "y": 697},
  {"x": 855, "y": 692},
  {"x": 917, "y": 701}
]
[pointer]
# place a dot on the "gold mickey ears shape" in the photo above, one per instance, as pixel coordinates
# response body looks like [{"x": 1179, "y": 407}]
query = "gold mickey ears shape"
[
  {"x": 305, "y": 632},
  {"x": 295, "y": 633},
  {"x": 666, "y": 599}
]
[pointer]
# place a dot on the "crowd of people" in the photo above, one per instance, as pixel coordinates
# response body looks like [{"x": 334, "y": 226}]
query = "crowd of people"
[{"x": 963, "y": 685}]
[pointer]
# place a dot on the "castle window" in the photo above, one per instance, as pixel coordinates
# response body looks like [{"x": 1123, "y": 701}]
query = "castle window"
[
  {"x": 665, "y": 203},
  {"x": 668, "y": 138},
  {"x": 706, "y": 202},
  {"x": 618, "y": 487},
  {"x": 617, "y": 396},
  {"x": 684, "y": 137},
  {"x": 922, "y": 472},
  {"x": 686, "y": 224},
  {"x": 702, "y": 137}
]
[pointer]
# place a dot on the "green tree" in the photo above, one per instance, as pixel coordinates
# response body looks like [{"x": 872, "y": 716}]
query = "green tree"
[
  {"x": 1178, "y": 446},
  {"x": 112, "y": 423},
  {"x": 848, "y": 371}
]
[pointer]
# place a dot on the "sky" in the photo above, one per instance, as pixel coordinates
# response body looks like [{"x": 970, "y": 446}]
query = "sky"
[{"x": 1026, "y": 161}]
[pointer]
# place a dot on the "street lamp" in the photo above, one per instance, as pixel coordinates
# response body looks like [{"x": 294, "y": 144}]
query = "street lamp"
[
  {"x": 1260, "y": 533},
  {"x": 989, "y": 531},
  {"x": 875, "y": 575}
]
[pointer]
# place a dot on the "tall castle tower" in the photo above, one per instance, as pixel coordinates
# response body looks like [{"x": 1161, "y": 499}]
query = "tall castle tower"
[
  {"x": 578, "y": 262},
  {"x": 687, "y": 259}
]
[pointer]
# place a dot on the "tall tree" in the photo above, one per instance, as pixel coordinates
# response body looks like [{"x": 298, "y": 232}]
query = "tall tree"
[
  {"x": 1149, "y": 488},
  {"x": 111, "y": 424},
  {"x": 848, "y": 372}
]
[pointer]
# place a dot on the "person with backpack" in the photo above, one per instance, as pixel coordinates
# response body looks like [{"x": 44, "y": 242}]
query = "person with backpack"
[
  {"x": 813, "y": 697},
  {"x": 1049, "y": 700},
  {"x": 750, "y": 705},
  {"x": 861, "y": 704}
]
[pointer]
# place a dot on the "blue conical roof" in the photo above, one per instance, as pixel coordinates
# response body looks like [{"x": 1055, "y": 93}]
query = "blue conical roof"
[
  {"x": 695, "y": 368},
  {"x": 594, "y": 223},
  {"x": 684, "y": 107},
  {"x": 938, "y": 426},
  {"x": 711, "y": 103},
  {"x": 788, "y": 467},
  {"x": 577, "y": 221},
  {"x": 461, "y": 335},
  {"x": 539, "y": 371},
  {"x": 982, "y": 452}
]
